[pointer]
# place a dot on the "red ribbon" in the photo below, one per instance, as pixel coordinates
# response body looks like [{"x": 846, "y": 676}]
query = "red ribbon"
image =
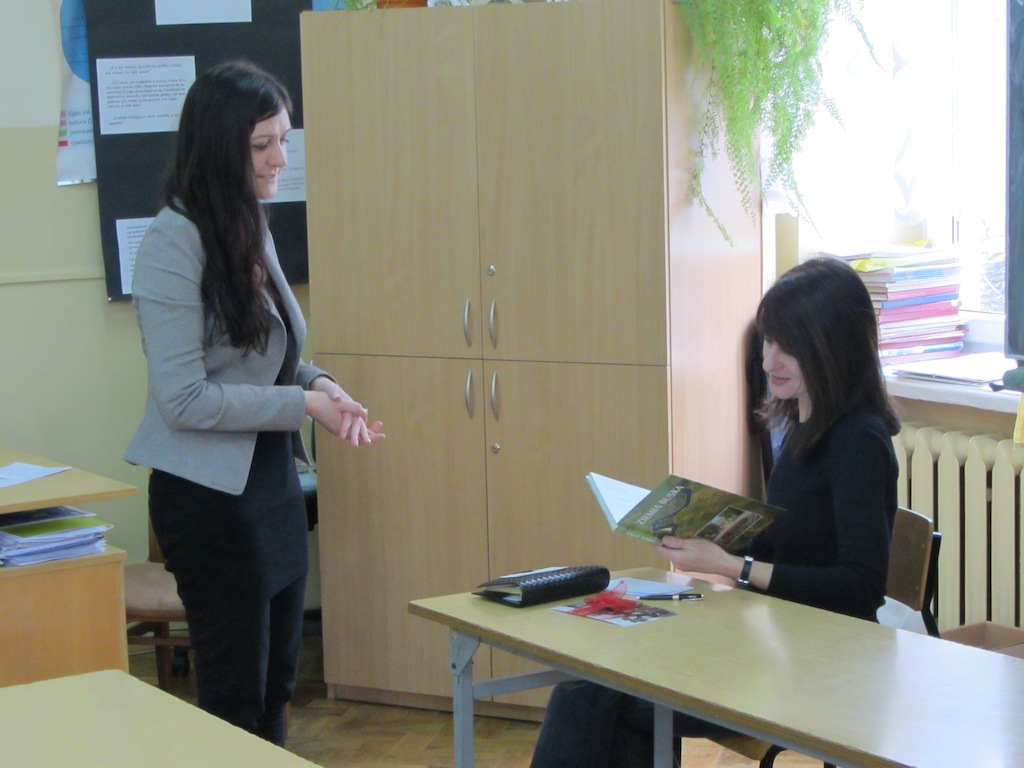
[{"x": 609, "y": 601}]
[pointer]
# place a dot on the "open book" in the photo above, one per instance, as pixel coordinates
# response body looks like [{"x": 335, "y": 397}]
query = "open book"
[{"x": 683, "y": 508}]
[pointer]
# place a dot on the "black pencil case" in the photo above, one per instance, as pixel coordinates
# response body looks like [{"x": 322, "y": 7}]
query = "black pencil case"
[{"x": 546, "y": 585}]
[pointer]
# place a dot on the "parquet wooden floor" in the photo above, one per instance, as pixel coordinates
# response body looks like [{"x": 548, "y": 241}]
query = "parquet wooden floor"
[{"x": 333, "y": 734}]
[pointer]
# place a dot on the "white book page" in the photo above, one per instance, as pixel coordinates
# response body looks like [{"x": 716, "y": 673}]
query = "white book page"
[{"x": 615, "y": 497}]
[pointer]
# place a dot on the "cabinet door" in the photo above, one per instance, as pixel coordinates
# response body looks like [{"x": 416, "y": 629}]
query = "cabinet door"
[
  {"x": 557, "y": 422},
  {"x": 400, "y": 520},
  {"x": 571, "y": 133},
  {"x": 64, "y": 617},
  {"x": 391, "y": 180}
]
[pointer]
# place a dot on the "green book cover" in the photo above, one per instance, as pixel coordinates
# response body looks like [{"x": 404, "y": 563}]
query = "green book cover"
[
  {"x": 65, "y": 526},
  {"x": 683, "y": 508}
]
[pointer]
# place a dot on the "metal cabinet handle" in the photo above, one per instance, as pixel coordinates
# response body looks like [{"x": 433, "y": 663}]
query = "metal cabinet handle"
[
  {"x": 469, "y": 393},
  {"x": 494, "y": 395},
  {"x": 465, "y": 325},
  {"x": 492, "y": 325}
]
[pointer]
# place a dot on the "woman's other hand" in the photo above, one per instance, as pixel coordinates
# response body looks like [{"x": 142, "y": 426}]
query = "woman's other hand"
[{"x": 335, "y": 410}]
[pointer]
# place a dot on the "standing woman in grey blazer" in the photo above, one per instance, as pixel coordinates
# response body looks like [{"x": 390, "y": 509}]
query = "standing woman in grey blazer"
[{"x": 227, "y": 394}]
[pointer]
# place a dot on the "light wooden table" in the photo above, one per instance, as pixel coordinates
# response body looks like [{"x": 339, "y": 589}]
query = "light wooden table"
[
  {"x": 846, "y": 691},
  {"x": 110, "y": 719},
  {"x": 67, "y": 616},
  {"x": 73, "y": 486}
]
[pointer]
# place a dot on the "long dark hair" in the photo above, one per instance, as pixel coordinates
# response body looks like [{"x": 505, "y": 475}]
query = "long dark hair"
[
  {"x": 211, "y": 183},
  {"x": 820, "y": 312}
]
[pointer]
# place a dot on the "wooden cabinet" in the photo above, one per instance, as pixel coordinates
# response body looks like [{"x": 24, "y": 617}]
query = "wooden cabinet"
[
  {"x": 506, "y": 268},
  {"x": 64, "y": 617}
]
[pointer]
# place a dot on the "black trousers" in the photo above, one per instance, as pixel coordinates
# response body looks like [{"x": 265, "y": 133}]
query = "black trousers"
[
  {"x": 240, "y": 564},
  {"x": 587, "y": 725}
]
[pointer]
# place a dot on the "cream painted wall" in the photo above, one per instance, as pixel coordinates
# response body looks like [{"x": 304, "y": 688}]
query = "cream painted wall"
[{"x": 72, "y": 373}]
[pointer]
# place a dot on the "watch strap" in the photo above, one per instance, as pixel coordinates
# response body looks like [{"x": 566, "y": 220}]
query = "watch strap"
[{"x": 744, "y": 577}]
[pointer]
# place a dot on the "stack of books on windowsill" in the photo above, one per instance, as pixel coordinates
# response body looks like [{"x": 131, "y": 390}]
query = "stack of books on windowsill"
[
  {"x": 916, "y": 294},
  {"x": 54, "y": 533}
]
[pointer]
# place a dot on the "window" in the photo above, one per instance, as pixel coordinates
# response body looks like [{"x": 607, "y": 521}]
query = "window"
[
  {"x": 921, "y": 150},
  {"x": 979, "y": 150}
]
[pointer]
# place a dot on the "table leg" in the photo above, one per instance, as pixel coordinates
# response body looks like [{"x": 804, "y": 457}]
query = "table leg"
[
  {"x": 461, "y": 649},
  {"x": 662, "y": 737}
]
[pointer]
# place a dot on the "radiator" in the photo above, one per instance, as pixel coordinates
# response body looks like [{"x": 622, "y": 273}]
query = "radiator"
[{"x": 970, "y": 486}]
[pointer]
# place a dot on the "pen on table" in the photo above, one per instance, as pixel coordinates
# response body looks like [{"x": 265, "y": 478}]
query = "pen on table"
[{"x": 681, "y": 596}]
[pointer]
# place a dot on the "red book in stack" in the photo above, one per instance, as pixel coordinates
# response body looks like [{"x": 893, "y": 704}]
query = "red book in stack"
[{"x": 916, "y": 295}]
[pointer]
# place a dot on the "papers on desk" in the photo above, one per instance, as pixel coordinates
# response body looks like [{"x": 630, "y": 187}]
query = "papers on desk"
[
  {"x": 54, "y": 533},
  {"x": 20, "y": 472},
  {"x": 971, "y": 370},
  {"x": 641, "y": 588}
]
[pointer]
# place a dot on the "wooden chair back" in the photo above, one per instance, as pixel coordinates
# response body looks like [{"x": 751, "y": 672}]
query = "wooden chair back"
[
  {"x": 909, "y": 558},
  {"x": 913, "y": 559}
]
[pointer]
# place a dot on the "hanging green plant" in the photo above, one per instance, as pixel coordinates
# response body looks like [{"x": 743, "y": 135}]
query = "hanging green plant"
[{"x": 765, "y": 81}]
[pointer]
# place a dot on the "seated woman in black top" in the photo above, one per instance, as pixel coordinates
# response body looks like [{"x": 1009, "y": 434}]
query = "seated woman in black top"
[{"x": 835, "y": 476}]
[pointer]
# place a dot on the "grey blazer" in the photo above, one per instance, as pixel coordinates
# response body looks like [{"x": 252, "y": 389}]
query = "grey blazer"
[{"x": 205, "y": 404}]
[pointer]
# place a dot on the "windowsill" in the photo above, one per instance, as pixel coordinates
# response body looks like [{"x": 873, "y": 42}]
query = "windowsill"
[
  {"x": 984, "y": 398},
  {"x": 986, "y": 333}
]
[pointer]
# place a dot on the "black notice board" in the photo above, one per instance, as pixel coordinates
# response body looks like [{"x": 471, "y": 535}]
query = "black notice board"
[{"x": 131, "y": 167}]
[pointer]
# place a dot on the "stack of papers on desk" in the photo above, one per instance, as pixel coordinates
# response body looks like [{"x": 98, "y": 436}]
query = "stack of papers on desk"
[
  {"x": 971, "y": 370},
  {"x": 53, "y": 533}
]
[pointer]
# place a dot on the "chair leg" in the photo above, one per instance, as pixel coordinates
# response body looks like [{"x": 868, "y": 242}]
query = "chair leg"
[
  {"x": 768, "y": 761},
  {"x": 164, "y": 662},
  {"x": 163, "y": 666}
]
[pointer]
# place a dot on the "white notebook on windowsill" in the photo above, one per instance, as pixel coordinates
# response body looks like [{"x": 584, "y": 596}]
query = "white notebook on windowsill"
[{"x": 971, "y": 370}]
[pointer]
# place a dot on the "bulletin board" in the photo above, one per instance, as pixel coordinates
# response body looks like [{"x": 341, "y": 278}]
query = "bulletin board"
[{"x": 142, "y": 57}]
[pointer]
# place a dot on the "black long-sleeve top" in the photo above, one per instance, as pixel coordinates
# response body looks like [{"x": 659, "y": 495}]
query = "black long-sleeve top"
[{"x": 831, "y": 547}]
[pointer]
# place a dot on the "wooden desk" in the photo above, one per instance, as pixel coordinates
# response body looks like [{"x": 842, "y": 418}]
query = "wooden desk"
[
  {"x": 846, "y": 691},
  {"x": 67, "y": 616},
  {"x": 110, "y": 719},
  {"x": 73, "y": 486}
]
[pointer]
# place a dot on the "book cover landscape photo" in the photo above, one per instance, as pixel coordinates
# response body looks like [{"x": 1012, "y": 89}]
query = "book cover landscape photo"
[{"x": 683, "y": 508}]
